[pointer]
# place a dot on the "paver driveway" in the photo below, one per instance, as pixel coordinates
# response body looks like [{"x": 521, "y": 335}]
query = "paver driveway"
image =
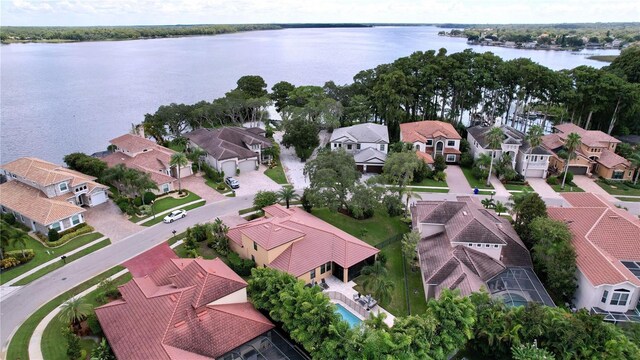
[
  {"x": 196, "y": 183},
  {"x": 589, "y": 185},
  {"x": 110, "y": 221},
  {"x": 254, "y": 181},
  {"x": 458, "y": 184}
]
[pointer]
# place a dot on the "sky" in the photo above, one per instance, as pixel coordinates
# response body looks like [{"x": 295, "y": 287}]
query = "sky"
[{"x": 169, "y": 12}]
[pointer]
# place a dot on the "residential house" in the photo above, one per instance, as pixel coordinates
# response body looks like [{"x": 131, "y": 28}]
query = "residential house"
[
  {"x": 302, "y": 245},
  {"x": 44, "y": 196},
  {"x": 230, "y": 149},
  {"x": 368, "y": 143},
  {"x": 514, "y": 144},
  {"x": 467, "y": 247},
  {"x": 607, "y": 245},
  {"x": 185, "y": 309},
  {"x": 596, "y": 154},
  {"x": 142, "y": 154},
  {"x": 431, "y": 138}
]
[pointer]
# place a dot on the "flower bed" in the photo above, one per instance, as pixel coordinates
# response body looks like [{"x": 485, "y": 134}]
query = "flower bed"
[{"x": 16, "y": 257}]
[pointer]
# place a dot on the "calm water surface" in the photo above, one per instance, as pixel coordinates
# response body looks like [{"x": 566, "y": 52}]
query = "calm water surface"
[{"x": 61, "y": 98}]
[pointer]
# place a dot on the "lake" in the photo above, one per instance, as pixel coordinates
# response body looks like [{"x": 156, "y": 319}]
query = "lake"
[{"x": 61, "y": 98}]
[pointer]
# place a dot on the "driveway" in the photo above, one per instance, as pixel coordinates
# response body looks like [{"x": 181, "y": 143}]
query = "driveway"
[
  {"x": 110, "y": 221},
  {"x": 196, "y": 183},
  {"x": 546, "y": 192},
  {"x": 458, "y": 184},
  {"x": 254, "y": 181},
  {"x": 293, "y": 167},
  {"x": 589, "y": 185}
]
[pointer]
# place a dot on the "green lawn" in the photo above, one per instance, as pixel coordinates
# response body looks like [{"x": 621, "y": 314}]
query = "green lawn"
[
  {"x": 429, "y": 190},
  {"x": 214, "y": 185},
  {"x": 430, "y": 182},
  {"x": 619, "y": 189},
  {"x": 372, "y": 231},
  {"x": 56, "y": 265},
  {"x": 159, "y": 219},
  {"x": 473, "y": 182},
  {"x": 167, "y": 203},
  {"x": 517, "y": 187},
  {"x": 277, "y": 174},
  {"x": 19, "y": 346},
  {"x": 44, "y": 254},
  {"x": 567, "y": 188},
  {"x": 54, "y": 345},
  {"x": 623, "y": 198}
]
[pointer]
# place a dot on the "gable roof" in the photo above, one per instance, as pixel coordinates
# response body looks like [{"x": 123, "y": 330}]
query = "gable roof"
[
  {"x": 420, "y": 131},
  {"x": 361, "y": 133},
  {"x": 169, "y": 314},
  {"x": 610, "y": 159},
  {"x": 228, "y": 142},
  {"x": 312, "y": 242},
  {"x": 44, "y": 173},
  {"x": 370, "y": 155},
  {"x": 511, "y": 135},
  {"x": 599, "y": 254},
  {"x": 134, "y": 143},
  {"x": 595, "y": 138}
]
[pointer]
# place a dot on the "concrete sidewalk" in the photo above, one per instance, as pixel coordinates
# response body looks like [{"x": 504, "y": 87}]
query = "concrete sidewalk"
[{"x": 160, "y": 214}]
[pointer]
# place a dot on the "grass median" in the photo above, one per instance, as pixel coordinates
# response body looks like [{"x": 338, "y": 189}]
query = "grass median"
[{"x": 159, "y": 219}]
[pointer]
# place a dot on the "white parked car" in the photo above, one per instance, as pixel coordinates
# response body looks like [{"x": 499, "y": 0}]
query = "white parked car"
[
  {"x": 233, "y": 183},
  {"x": 175, "y": 215}
]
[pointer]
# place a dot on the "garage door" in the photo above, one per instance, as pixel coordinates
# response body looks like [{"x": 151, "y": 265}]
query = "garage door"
[
  {"x": 247, "y": 166},
  {"x": 360, "y": 168},
  {"x": 535, "y": 173},
  {"x": 376, "y": 169},
  {"x": 229, "y": 168},
  {"x": 578, "y": 170},
  {"x": 98, "y": 198}
]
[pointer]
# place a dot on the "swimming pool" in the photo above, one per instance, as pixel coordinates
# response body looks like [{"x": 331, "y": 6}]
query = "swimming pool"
[
  {"x": 513, "y": 300},
  {"x": 348, "y": 316}
]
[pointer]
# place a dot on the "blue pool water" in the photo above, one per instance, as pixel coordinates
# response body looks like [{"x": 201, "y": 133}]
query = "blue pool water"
[{"x": 348, "y": 316}]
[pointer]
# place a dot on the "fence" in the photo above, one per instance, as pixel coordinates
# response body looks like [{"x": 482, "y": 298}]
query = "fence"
[
  {"x": 384, "y": 243},
  {"x": 354, "y": 306}
]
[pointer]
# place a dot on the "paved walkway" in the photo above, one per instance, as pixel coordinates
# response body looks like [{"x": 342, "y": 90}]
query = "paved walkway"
[
  {"x": 458, "y": 184},
  {"x": 110, "y": 221},
  {"x": 499, "y": 187},
  {"x": 162, "y": 213},
  {"x": 543, "y": 189},
  {"x": 293, "y": 167},
  {"x": 589, "y": 185},
  {"x": 196, "y": 184}
]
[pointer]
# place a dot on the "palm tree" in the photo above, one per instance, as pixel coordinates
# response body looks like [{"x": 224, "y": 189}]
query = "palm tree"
[
  {"x": 196, "y": 155},
  {"x": 287, "y": 193},
  {"x": 534, "y": 138},
  {"x": 494, "y": 141},
  {"x": 74, "y": 310},
  {"x": 500, "y": 208},
  {"x": 373, "y": 274},
  {"x": 179, "y": 160},
  {"x": 382, "y": 290},
  {"x": 411, "y": 193},
  {"x": 20, "y": 241},
  {"x": 572, "y": 144},
  {"x": 635, "y": 161},
  {"x": 488, "y": 203}
]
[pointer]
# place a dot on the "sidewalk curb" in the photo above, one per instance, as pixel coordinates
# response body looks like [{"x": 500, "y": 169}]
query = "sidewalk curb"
[{"x": 168, "y": 211}]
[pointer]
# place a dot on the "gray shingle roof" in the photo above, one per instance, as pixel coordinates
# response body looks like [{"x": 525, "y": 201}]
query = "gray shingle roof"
[
  {"x": 362, "y": 133},
  {"x": 227, "y": 142},
  {"x": 369, "y": 155}
]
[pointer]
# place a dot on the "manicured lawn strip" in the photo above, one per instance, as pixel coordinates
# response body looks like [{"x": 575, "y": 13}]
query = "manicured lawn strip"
[
  {"x": 159, "y": 219},
  {"x": 372, "y": 231},
  {"x": 567, "y": 188},
  {"x": 429, "y": 190},
  {"x": 517, "y": 187},
  {"x": 277, "y": 174},
  {"x": 19, "y": 346},
  {"x": 42, "y": 256},
  {"x": 430, "y": 182},
  {"x": 473, "y": 182},
  {"x": 47, "y": 269},
  {"x": 619, "y": 189},
  {"x": 624, "y": 198},
  {"x": 214, "y": 185},
  {"x": 54, "y": 345},
  {"x": 246, "y": 211},
  {"x": 204, "y": 251},
  {"x": 166, "y": 204},
  {"x": 485, "y": 192},
  {"x": 174, "y": 239}
]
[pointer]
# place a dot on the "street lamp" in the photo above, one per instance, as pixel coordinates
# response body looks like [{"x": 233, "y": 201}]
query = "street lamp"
[{"x": 492, "y": 193}]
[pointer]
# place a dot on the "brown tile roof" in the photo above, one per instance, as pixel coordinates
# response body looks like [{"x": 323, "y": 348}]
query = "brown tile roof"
[
  {"x": 552, "y": 141},
  {"x": 589, "y": 137},
  {"x": 599, "y": 254},
  {"x": 45, "y": 173},
  {"x": 171, "y": 313},
  {"x": 610, "y": 159},
  {"x": 428, "y": 129},
  {"x": 228, "y": 142},
  {"x": 141, "y": 164},
  {"x": 320, "y": 243},
  {"x": 134, "y": 143},
  {"x": 34, "y": 204},
  {"x": 426, "y": 157}
]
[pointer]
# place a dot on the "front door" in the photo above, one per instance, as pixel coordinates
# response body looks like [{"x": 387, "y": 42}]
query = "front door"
[
  {"x": 79, "y": 201},
  {"x": 439, "y": 148}
]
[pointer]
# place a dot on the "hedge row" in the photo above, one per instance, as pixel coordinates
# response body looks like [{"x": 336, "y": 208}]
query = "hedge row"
[{"x": 83, "y": 230}]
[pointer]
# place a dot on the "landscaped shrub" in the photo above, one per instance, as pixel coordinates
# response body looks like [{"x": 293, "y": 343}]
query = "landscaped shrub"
[
  {"x": 73, "y": 229},
  {"x": 9, "y": 218},
  {"x": 221, "y": 187},
  {"x": 552, "y": 180},
  {"x": 84, "y": 230},
  {"x": 466, "y": 160},
  {"x": 422, "y": 172},
  {"x": 149, "y": 197},
  {"x": 94, "y": 324},
  {"x": 241, "y": 266},
  {"x": 109, "y": 288},
  {"x": 393, "y": 205},
  {"x": 307, "y": 205},
  {"x": 440, "y": 176},
  {"x": 137, "y": 201},
  {"x": 439, "y": 164},
  {"x": 237, "y": 171},
  {"x": 123, "y": 204},
  {"x": 53, "y": 235},
  {"x": 569, "y": 179},
  {"x": 9, "y": 262}
]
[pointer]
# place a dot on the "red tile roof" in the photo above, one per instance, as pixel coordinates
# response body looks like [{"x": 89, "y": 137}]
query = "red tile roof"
[
  {"x": 610, "y": 159},
  {"x": 426, "y": 157},
  {"x": 320, "y": 242},
  {"x": 593, "y": 224},
  {"x": 428, "y": 129},
  {"x": 595, "y": 138},
  {"x": 172, "y": 314}
]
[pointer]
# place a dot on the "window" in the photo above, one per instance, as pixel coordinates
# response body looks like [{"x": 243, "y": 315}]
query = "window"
[
  {"x": 619, "y": 297},
  {"x": 470, "y": 245},
  {"x": 487, "y": 245},
  {"x": 478, "y": 245},
  {"x": 255, "y": 246},
  {"x": 617, "y": 174},
  {"x": 312, "y": 273},
  {"x": 429, "y": 142},
  {"x": 451, "y": 158},
  {"x": 329, "y": 266},
  {"x": 357, "y": 146},
  {"x": 451, "y": 143},
  {"x": 56, "y": 226},
  {"x": 496, "y": 246},
  {"x": 605, "y": 295},
  {"x": 63, "y": 186},
  {"x": 381, "y": 147},
  {"x": 322, "y": 269},
  {"x": 253, "y": 258},
  {"x": 75, "y": 220},
  {"x": 349, "y": 147},
  {"x": 165, "y": 188},
  {"x": 335, "y": 145}
]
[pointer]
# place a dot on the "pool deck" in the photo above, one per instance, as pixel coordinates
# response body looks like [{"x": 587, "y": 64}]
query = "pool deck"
[{"x": 347, "y": 290}]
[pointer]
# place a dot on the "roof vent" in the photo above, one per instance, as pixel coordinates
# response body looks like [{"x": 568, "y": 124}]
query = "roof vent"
[
  {"x": 614, "y": 216},
  {"x": 277, "y": 229},
  {"x": 173, "y": 298},
  {"x": 199, "y": 274},
  {"x": 464, "y": 213},
  {"x": 201, "y": 314},
  {"x": 179, "y": 324}
]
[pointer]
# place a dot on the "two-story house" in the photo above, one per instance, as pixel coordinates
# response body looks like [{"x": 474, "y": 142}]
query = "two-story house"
[
  {"x": 44, "y": 196},
  {"x": 514, "y": 144},
  {"x": 431, "y": 138},
  {"x": 467, "y": 247},
  {"x": 607, "y": 245},
  {"x": 232, "y": 148},
  {"x": 296, "y": 242},
  {"x": 596, "y": 154},
  {"x": 369, "y": 144},
  {"x": 142, "y": 154}
]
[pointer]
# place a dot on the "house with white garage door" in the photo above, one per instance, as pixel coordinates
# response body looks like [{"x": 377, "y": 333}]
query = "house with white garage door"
[
  {"x": 44, "y": 196},
  {"x": 231, "y": 148},
  {"x": 368, "y": 143}
]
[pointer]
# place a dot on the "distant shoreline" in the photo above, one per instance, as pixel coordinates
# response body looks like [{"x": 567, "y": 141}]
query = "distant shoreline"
[{"x": 603, "y": 58}]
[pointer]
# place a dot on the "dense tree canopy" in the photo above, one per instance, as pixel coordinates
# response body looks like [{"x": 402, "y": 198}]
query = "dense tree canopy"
[
  {"x": 332, "y": 177},
  {"x": 86, "y": 164}
]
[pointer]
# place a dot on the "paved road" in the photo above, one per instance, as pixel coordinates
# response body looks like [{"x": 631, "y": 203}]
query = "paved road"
[{"x": 16, "y": 308}]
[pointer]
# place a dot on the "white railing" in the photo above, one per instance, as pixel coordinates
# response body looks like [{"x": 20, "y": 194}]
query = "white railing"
[{"x": 354, "y": 306}]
